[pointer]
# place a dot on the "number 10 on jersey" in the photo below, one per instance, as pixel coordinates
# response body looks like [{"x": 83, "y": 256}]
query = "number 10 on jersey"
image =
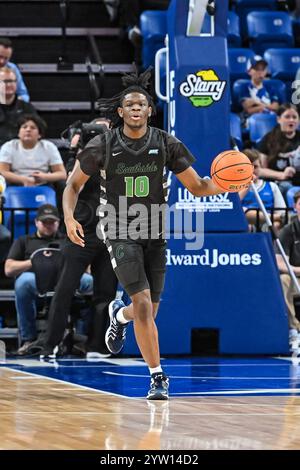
[{"x": 138, "y": 187}]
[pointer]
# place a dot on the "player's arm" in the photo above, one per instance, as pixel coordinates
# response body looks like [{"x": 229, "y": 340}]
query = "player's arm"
[
  {"x": 75, "y": 182},
  {"x": 196, "y": 185}
]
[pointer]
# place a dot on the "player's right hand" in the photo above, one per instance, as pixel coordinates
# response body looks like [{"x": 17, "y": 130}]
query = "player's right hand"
[{"x": 75, "y": 232}]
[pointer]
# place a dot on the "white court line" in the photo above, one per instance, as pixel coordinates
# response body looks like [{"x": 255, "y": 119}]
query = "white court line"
[
  {"x": 201, "y": 377},
  {"x": 83, "y": 387},
  {"x": 62, "y": 389},
  {"x": 28, "y": 363},
  {"x": 241, "y": 392},
  {"x": 131, "y": 363},
  {"x": 16, "y": 377},
  {"x": 96, "y": 363},
  {"x": 173, "y": 365}
]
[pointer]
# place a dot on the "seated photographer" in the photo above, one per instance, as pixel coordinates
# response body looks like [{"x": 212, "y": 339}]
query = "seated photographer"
[
  {"x": 18, "y": 265},
  {"x": 76, "y": 260},
  {"x": 82, "y": 133},
  {"x": 31, "y": 160}
]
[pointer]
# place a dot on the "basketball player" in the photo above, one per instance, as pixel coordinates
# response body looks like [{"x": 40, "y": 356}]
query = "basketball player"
[{"x": 131, "y": 159}]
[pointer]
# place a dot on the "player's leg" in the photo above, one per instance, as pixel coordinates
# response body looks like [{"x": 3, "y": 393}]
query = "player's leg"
[
  {"x": 126, "y": 314},
  {"x": 128, "y": 263},
  {"x": 155, "y": 267},
  {"x": 127, "y": 258},
  {"x": 145, "y": 328}
]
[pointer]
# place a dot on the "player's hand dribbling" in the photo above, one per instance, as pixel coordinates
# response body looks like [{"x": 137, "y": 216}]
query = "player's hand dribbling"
[{"x": 75, "y": 232}]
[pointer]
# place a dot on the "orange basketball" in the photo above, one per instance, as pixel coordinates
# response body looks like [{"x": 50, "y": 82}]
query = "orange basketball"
[{"x": 231, "y": 170}]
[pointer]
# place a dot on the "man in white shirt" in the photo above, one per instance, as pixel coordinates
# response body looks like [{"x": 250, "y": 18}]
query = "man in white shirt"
[{"x": 31, "y": 160}]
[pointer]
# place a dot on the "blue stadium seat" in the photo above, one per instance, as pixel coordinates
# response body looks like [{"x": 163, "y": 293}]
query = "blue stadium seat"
[
  {"x": 238, "y": 59},
  {"x": 235, "y": 129},
  {"x": 243, "y": 7},
  {"x": 240, "y": 87},
  {"x": 260, "y": 124},
  {"x": 233, "y": 36},
  {"x": 268, "y": 29},
  {"x": 25, "y": 197},
  {"x": 153, "y": 25},
  {"x": 249, "y": 5},
  {"x": 283, "y": 63},
  {"x": 290, "y": 196}
]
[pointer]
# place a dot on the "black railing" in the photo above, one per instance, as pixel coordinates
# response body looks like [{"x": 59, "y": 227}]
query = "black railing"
[
  {"x": 285, "y": 219},
  {"x": 94, "y": 89},
  {"x": 96, "y": 58},
  {"x": 8, "y": 218},
  {"x": 63, "y": 62}
]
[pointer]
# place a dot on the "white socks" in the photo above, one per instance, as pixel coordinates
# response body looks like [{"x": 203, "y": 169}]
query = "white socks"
[
  {"x": 120, "y": 317},
  {"x": 155, "y": 370}
]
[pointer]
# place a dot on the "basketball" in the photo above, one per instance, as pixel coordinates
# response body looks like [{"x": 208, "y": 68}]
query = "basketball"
[{"x": 232, "y": 171}]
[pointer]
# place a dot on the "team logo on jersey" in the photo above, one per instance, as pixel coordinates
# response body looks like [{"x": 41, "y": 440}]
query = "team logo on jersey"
[
  {"x": 153, "y": 152},
  {"x": 120, "y": 252},
  {"x": 203, "y": 88}
]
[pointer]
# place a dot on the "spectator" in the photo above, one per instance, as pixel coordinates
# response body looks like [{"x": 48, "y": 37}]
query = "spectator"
[
  {"x": 258, "y": 99},
  {"x": 32, "y": 160},
  {"x": 290, "y": 238},
  {"x": 6, "y": 51},
  {"x": 12, "y": 108},
  {"x": 280, "y": 148},
  {"x": 18, "y": 265},
  {"x": 269, "y": 194}
]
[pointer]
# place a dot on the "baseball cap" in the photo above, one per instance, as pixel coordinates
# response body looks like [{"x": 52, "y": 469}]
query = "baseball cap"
[
  {"x": 257, "y": 59},
  {"x": 47, "y": 211}
]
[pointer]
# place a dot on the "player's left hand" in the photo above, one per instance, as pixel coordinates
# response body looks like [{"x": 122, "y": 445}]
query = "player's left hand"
[{"x": 75, "y": 232}]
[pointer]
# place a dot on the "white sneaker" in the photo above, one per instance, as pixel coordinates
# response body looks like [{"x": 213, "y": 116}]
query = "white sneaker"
[{"x": 96, "y": 355}]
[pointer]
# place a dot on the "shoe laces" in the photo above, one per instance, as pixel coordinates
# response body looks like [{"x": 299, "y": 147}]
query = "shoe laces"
[
  {"x": 119, "y": 330},
  {"x": 159, "y": 380}
]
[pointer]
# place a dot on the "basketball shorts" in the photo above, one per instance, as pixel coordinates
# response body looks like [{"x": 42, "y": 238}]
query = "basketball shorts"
[{"x": 139, "y": 265}]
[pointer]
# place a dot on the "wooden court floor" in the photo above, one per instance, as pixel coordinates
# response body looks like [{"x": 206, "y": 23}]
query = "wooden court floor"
[{"x": 41, "y": 412}]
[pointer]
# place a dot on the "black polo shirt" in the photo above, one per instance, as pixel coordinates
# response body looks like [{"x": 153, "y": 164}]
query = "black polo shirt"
[{"x": 23, "y": 247}]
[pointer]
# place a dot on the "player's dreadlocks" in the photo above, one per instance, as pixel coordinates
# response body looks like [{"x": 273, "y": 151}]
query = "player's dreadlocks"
[{"x": 134, "y": 83}]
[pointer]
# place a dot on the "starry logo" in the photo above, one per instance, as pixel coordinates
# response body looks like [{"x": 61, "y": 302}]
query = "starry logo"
[{"x": 203, "y": 88}]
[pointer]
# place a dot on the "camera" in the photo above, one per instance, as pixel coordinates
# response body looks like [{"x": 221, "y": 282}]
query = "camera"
[
  {"x": 86, "y": 131},
  {"x": 90, "y": 130}
]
